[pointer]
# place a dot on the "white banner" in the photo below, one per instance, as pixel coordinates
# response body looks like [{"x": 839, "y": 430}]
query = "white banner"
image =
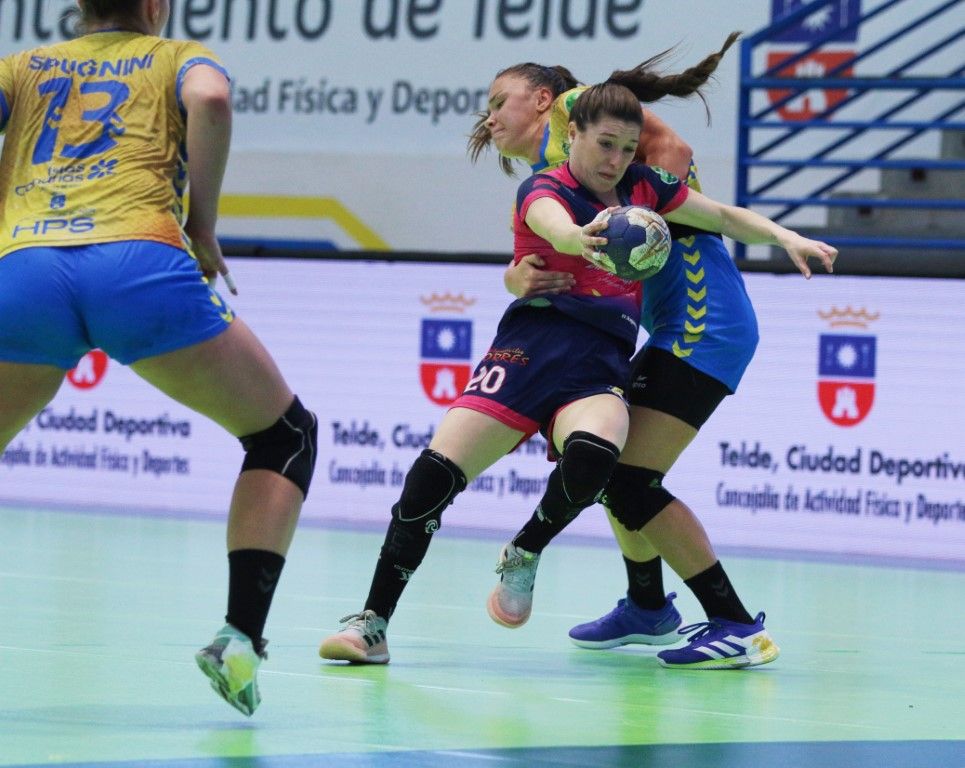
[
  {"x": 351, "y": 116},
  {"x": 845, "y": 436}
]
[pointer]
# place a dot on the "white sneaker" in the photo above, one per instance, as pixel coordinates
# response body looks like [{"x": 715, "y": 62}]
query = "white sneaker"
[
  {"x": 511, "y": 602},
  {"x": 362, "y": 641}
]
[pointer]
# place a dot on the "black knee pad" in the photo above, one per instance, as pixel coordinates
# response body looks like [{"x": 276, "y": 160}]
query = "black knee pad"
[
  {"x": 585, "y": 467},
  {"x": 287, "y": 447},
  {"x": 430, "y": 486},
  {"x": 635, "y": 495}
]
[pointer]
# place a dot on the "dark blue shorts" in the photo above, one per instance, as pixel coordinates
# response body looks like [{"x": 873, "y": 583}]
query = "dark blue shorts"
[
  {"x": 540, "y": 361},
  {"x": 132, "y": 299}
]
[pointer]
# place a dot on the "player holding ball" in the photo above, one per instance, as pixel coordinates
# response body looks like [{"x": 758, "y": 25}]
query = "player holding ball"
[
  {"x": 702, "y": 335},
  {"x": 575, "y": 360}
]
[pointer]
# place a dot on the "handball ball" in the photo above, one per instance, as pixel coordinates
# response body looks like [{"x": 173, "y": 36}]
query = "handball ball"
[{"x": 638, "y": 243}]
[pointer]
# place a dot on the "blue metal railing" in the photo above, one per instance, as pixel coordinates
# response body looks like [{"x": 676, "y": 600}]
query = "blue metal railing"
[{"x": 771, "y": 173}]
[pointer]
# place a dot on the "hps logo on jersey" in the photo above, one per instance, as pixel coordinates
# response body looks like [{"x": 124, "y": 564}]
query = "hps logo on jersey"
[
  {"x": 446, "y": 348},
  {"x": 90, "y": 370},
  {"x": 846, "y": 367}
]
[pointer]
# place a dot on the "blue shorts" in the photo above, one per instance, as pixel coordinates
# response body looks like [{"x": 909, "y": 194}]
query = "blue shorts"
[
  {"x": 132, "y": 299},
  {"x": 540, "y": 361},
  {"x": 697, "y": 308}
]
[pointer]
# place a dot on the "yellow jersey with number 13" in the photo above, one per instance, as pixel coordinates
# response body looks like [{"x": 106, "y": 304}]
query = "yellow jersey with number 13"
[{"x": 94, "y": 149}]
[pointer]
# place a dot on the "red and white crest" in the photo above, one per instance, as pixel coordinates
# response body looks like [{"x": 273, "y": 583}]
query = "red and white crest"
[
  {"x": 846, "y": 367},
  {"x": 446, "y": 348}
]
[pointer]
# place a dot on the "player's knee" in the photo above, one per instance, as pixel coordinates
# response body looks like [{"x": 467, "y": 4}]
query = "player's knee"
[
  {"x": 287, "y": 447},
  {"x": 635, "y": 495},
  {"x": 585, "y": 467},
  {"x": 430, "y": 486}
]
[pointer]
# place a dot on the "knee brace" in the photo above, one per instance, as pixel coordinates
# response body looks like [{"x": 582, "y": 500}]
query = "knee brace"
[
  {"x": 430, "y": 486},
  {"x": 286, "y": 447},
  {"x": 581, "y": 474},
  {"x": 635, "y": 495}
]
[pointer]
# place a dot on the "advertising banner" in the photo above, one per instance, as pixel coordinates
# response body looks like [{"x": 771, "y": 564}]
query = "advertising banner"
[
  {"x": 845, "y": 435},
  {"x": 351, "y": 116}
]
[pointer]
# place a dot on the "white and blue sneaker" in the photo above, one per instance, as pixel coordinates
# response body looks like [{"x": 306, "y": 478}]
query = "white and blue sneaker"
[
  {"x": 628, "y": 623},
  {"x": 720, "y": 644}
]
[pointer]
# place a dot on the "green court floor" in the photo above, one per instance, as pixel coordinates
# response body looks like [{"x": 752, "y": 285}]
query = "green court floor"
[{"x": 100, "y": 615}]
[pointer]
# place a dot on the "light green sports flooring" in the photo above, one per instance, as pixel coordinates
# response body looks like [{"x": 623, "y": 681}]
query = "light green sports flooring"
[{"x": 100, "y": 616}]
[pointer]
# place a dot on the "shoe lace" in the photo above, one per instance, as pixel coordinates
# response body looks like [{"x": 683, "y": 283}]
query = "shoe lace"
[
  {"x": 700, "y": 629},
  {"x": 364, "y": 621},
  {"x": 510, "y": 564},
  {"x": 518, "y": 571}
]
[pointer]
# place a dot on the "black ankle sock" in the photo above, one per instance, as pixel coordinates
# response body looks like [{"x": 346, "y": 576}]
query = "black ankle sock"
[
  {"x": 717, "y": 596},
  {"x": 252, "y": 578},
  {"x": 402, "y": 553},
  {"x": 645, "y": 582},
  {"x": 540, "y": 530}
]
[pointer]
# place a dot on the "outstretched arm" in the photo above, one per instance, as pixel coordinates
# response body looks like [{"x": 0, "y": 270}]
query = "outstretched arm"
[{"x": 751, "y": 228}]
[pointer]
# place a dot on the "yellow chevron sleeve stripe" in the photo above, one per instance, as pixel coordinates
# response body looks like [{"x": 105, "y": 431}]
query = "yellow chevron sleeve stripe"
[
  {"x": 696, "y": 296},
  {"x": 695, "y": 277},
  {"x": 695, "y": 312}
]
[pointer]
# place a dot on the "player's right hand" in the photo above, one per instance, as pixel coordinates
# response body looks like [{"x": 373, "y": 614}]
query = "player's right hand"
[{"x": 528, "y": 278}]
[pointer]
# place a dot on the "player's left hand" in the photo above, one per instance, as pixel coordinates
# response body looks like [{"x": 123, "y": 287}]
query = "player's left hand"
[
  {"x": 207, "y": 250},
  {"x": 529, "y": 278},
  {"x": 801, "y": 249}
]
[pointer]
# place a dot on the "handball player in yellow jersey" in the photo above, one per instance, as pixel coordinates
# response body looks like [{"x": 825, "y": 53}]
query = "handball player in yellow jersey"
[{"x": 103, "y": 134}]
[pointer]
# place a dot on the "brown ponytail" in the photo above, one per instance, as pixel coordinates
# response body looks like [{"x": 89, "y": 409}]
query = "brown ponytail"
[{"x": 649, "y": 86}]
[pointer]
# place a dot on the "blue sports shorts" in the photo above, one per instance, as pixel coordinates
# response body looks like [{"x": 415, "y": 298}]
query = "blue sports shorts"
[
  {"x": 540, "y": 361},
  {"x": 132, "y": 299}
]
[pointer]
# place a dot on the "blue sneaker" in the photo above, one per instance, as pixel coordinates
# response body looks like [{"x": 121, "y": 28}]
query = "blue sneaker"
[
  {"x": 627, "y": 624},
  {"x": 719, "y": 644}
]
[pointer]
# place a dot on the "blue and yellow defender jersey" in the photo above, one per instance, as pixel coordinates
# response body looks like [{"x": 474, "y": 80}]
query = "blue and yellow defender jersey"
[
  {"x": 555, "y": 148},
  {"x": 696, "y": 307},
  {"x": 94, "y": 149}
]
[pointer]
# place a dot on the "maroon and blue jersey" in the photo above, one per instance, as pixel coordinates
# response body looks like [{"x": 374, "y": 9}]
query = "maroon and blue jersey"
[{"x": 598, "y": 298}]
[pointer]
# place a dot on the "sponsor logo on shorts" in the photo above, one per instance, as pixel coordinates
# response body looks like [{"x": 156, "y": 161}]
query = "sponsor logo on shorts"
[{"x": 512, "y": 356}]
